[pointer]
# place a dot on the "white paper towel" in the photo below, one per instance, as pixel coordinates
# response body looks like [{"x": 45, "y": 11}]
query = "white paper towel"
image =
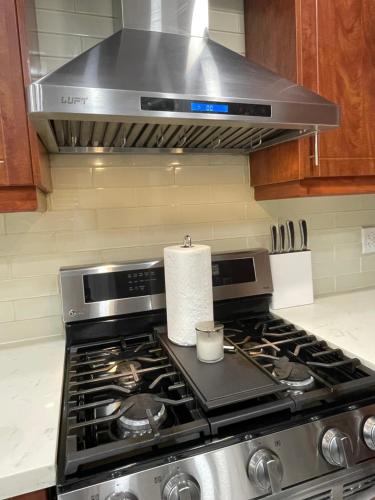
[{"x": 188, "y": 288}]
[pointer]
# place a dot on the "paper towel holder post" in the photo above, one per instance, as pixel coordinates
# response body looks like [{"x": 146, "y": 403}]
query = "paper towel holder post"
[{"x": 187, "y": 242}]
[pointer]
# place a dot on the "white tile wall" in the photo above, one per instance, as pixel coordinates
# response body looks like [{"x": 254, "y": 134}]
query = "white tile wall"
[
  {"x": 113, "y": 208},
  {"x": 37, "y": 307},
  {"x": 68, "y": 27},
  {"x": 155, "y": 202},
  {"x": 74, "y": 24},
  {"x": 335, "y": 238},
  {"x": 99, "y": 7}
]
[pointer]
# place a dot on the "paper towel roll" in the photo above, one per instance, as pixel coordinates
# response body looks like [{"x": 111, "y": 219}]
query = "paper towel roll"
[{"x": 188, "y": 288}]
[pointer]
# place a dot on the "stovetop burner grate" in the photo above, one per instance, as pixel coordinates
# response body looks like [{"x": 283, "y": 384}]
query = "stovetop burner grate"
[
  {"x": 99, "y": 405},
  {"x": 98, "y": 392},
  {"x": 280, "y": 338},
  {"x": 132, "y": 403}
]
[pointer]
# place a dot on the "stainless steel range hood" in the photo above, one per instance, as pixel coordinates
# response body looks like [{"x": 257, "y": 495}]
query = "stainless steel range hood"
[{"x": 160, "y": 84}]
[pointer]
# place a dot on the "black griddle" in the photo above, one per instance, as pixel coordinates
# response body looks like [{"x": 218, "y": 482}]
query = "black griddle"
[{"x": 234, "y": 379}]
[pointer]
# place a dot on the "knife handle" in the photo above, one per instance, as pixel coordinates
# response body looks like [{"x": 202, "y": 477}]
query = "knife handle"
[
  {"x": 273, "y": 239},
  {"x": 282, "y": 237},
  {"x": 291, "y": 235},
  {"x": 303, "y": 228}
]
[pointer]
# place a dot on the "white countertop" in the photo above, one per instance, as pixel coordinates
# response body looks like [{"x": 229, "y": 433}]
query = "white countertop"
[
  {"x": 31, "y": 375},
  {"x": 346, "y": 321}
]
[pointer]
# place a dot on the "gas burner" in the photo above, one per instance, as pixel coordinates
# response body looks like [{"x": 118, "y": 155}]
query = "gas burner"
[
  {"x": 251, "y": 344},
  {"x": 131, "y": 378},
  {"x": 144, "y": 415},
  {"x": 255, "y": 349},
  {"x": 250, "y": 327},
  {"x": 295, "y": 375}
]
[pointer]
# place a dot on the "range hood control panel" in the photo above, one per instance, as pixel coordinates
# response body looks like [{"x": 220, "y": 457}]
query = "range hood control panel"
[{"x": 206, "y": 107}]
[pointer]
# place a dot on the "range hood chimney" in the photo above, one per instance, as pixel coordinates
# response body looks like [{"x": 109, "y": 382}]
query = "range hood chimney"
[
  {"x": 178, "y": 17},
  {"x": 161, "y": 85}
]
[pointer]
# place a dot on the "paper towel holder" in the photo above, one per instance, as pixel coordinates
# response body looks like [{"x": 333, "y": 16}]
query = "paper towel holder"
[{"x": 187, "y": 242}]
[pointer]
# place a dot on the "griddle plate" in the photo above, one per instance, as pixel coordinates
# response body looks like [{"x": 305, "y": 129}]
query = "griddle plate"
[{"x": 232, "y": 380}]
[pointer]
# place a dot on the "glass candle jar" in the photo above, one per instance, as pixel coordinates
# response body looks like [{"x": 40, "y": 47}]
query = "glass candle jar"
[{"x": 210, "y": 341}]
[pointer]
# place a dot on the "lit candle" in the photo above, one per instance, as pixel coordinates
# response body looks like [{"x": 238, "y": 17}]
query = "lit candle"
[{"x": 210, "y": 341}]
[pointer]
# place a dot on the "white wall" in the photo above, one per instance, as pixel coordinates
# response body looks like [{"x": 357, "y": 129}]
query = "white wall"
[
  {"x": 68, "y": 27},
  {"x": 113, "y": 208}
]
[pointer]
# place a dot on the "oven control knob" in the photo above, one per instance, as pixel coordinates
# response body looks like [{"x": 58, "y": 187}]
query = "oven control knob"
[
  {"x": 182, "y": 487},
  {"x": 121, "y": 495},
  {"x": 369, "y": 432},
  {"x": 337, "y": 448},
  {"x": 266, "y": 471}
]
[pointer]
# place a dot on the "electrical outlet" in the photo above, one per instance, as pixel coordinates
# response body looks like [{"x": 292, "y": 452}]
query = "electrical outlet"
[{"x": 368, "y": 239}]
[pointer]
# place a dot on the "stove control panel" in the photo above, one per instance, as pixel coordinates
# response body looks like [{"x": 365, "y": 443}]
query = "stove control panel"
[
  {"x": 272, "y": 464},
  {"x": 231, "y": 272},
  {"x": 117, "y": 285},
  {"x": 102, "y": 291}
]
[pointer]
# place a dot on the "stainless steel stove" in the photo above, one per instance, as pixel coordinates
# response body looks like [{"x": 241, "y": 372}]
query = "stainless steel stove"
[{"x": 281, "y": 416}]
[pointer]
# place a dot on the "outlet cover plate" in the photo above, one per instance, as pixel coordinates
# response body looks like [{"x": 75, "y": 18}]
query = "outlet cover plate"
[{"x": 368, "y": 239}]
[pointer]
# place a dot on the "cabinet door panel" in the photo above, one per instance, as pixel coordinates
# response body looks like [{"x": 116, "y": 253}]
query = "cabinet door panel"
[
  {"x": 1, "y": 140},
  {"x": 331, "y": 51},
  {"x": 271, "y": 40},
  {"x": 346, "y": 68},
  {"x": 270, "y": 31},
  {"x": 3, "y": 173},
  {"x": 285, "y": 162},
  {"x": 27, "y": 28},
  {"x": 12, "y": 101}
]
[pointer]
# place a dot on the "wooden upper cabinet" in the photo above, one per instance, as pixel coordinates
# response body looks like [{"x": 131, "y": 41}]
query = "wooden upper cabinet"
[
  {"x": 346, "y": 74},
  {"x": 329, "y": 47},
  {"x": 34, "y": 495},
  {"x": 16, "y": 150},
  {"x": 1, "y": 146},
  {"x": 24, "y": 170}
]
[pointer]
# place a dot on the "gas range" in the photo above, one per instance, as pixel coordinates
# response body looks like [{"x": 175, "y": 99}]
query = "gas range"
[{"x": 282, "y": 416}]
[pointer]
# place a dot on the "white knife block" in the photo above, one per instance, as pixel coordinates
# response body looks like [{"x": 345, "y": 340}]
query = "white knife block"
[{"x": 292, "y": 279}]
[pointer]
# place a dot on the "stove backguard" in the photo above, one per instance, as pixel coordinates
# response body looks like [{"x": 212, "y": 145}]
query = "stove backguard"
[{"x": 100, "y": 291}]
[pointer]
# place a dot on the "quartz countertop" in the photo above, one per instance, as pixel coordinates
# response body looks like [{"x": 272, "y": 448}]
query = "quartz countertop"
[
  {"x": 345, "y": 320},
  {"x": 31, "y": 375}
]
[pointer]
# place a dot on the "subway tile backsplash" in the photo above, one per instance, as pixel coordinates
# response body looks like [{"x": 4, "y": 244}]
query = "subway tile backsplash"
[
  {"x": 68, "y": 27},
  {"x": 114, "y": 208},
  {"x": 121, "y": 207},
  {"x": 74, "y": 23}
]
